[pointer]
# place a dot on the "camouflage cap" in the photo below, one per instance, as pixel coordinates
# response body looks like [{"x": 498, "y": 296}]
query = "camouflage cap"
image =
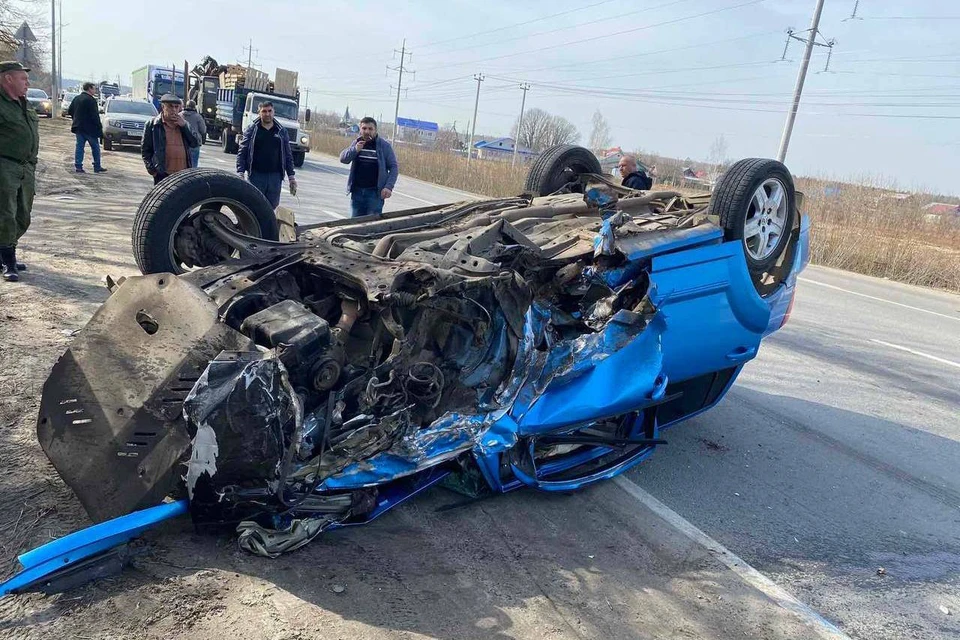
[{"x": 12, "y": 65}]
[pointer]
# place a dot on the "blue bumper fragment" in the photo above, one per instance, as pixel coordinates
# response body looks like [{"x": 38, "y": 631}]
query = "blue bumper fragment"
[{"x": 52, "y": 557}]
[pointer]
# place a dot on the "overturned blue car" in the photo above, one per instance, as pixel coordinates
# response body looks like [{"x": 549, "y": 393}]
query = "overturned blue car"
[{"x": 282, "y": 380}]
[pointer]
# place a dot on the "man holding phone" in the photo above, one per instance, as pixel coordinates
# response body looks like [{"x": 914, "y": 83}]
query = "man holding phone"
[
  {"x": 373, "y": 170},
  {"x": 167, "y": 140}
]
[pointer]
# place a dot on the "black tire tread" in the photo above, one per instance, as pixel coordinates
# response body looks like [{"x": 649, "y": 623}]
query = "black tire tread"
[
  {"x": 149, "y": 217},
  {"x": 539, "y": 176}
]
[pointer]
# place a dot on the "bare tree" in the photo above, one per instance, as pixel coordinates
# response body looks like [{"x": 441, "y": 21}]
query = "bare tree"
[
  {"x": 531, "y": 131},
  {"x": 561, "y": 131},
  {"x": 12, "y": 14},
  {"x": 447, "y": 139},
  {"x": 718, "y": 151},
  {"x": 600, "y": 134},
  {"x": 322, "y": 119},
  {"x": 541, "y": 130}
]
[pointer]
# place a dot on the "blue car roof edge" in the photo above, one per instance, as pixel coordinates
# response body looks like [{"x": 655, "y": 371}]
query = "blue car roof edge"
[{"x": 130, "y": 524}]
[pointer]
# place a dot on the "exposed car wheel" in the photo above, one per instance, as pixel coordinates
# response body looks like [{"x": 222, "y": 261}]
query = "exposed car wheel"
[
  {"x": 168, "y": 233},
  {"x": 298, "y": 158},
  {"x": 107, "y": 144},
  {"x": 756, "y": 204},
  {"x": 558, "y": 166}
]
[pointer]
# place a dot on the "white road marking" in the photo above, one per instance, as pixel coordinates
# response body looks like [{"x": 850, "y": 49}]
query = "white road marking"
[
  {"x": 453, "y": 191},
  {"x": 748, "y": 574},
  {"x": 917, "y": 353},
  {"x": 333, "y": 213},
  {"x": 898, "y": 304},
  {"x": 397, "y": 193}
]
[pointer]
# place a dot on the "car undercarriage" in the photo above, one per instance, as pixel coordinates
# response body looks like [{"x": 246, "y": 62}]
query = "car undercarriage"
[{"x": 283, "y": 388}]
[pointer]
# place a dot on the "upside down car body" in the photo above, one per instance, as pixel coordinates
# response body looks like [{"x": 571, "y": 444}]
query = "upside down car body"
[{"x": 285, "y": 388}]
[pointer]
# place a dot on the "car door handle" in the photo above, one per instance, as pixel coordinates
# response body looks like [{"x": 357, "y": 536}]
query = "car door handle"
[{"x": 742, "y": 354}]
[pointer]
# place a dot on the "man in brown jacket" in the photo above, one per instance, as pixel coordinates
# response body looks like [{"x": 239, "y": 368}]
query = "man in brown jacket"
[{"x": 167, "y": 140}]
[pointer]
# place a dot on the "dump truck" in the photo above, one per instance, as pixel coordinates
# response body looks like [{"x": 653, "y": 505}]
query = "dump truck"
[{"x": 240, "y": 93}]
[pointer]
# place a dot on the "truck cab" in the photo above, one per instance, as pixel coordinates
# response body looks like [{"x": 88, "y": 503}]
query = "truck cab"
[
  {"x": 287, "y": 113},
  {"x": 207, "y": 90}
]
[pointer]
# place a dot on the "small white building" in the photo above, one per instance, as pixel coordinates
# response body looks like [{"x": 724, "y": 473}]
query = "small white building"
[{"x": 502, "y": 149}]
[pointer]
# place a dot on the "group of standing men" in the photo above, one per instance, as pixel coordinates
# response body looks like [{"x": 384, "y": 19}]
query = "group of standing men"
[{"x": 171, "y": 143}]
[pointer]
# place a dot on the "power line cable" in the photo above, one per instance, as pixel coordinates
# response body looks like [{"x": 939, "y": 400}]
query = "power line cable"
[
  {"x": 528, "y": 36},
  {"x": 518, "y": 24},
  {"x": 604, "y": 36}
]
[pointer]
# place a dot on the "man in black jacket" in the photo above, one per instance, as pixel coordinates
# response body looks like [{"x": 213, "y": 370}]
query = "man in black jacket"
[
  {"x": 167, "y": 140},
  {"x": 86, "y": 127},
  {"x": 633, "y": 177},
  {"x": 265, "y": 155}
]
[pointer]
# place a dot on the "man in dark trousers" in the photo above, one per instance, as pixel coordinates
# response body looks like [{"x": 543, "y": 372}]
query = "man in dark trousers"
[
  {"x": 633, "y": 177},
  {"x": 373, "y": 170},
  {"x": 265, "y": 155},
  {"x": 19, "y": 143},
  {"x": 86, "y": 126},
  {"x": 167, "y": 140}
]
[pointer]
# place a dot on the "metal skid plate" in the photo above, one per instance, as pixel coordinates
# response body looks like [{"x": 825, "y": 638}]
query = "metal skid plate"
[{"x": 110, "y": 417}]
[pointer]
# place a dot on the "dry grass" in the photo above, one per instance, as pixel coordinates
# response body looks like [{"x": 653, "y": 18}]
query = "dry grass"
[
  {"x": 858, "y": 229},
  {"x": 855, "y": 227},
  {"x": 485, "y": 177}
]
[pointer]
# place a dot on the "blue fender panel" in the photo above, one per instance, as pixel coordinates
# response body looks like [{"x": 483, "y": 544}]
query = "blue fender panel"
[{"x": 709, "y": 283}]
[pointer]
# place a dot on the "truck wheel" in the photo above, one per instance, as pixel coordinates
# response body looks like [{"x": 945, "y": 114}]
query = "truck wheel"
[
  {"x": 756, "y": 203},
  {"x": 298, "y": 158},
  {"x": 107, "y": 144},
  {"x": 168, "y": 236},
  {"x": 559, "y": 165},
  {"x": 229, "y": 142}
]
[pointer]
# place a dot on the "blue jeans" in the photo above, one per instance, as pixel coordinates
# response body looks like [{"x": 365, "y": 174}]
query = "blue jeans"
[
  {"x": 365, "y": 201},
  {"x": 270, "y": 185},
  {"x": 195, "y": 157},
  {"x": 82, "y": 139}
]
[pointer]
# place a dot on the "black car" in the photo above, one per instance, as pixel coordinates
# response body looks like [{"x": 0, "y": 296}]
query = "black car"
[{"x": 40, "y": 102}]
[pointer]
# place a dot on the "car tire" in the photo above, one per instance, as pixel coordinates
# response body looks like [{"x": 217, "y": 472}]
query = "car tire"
[
  {"x": 298, "y": 158},
  {"x": 558, "y": 166},
  {"x": 107, "y": 144},
  {"x": 165, "y": 207},
  {"x": 736, "y": 200}
]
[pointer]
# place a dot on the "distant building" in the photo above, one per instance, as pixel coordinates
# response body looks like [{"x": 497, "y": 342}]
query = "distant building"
[
  {"x": 941, "y": 208},
  {"x": 413, "y": 130},
  {"x": 502, "y": 149},
  {"x": 610, "y": 160}
]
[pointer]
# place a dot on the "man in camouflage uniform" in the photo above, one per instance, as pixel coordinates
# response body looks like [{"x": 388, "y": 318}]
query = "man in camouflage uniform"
[{"x": 19, "y": 142}]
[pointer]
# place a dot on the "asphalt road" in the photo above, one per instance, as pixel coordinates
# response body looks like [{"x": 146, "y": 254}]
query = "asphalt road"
[
  {"x": 322, "y": 183},
  {"x": 835, "y": 454}
]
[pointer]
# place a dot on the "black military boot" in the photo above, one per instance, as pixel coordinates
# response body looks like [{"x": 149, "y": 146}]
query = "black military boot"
[{"x": 8, "y": 260}]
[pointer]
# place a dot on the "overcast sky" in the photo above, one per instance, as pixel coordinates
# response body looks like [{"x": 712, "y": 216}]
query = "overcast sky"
[{"x": 669, "y": 75}]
